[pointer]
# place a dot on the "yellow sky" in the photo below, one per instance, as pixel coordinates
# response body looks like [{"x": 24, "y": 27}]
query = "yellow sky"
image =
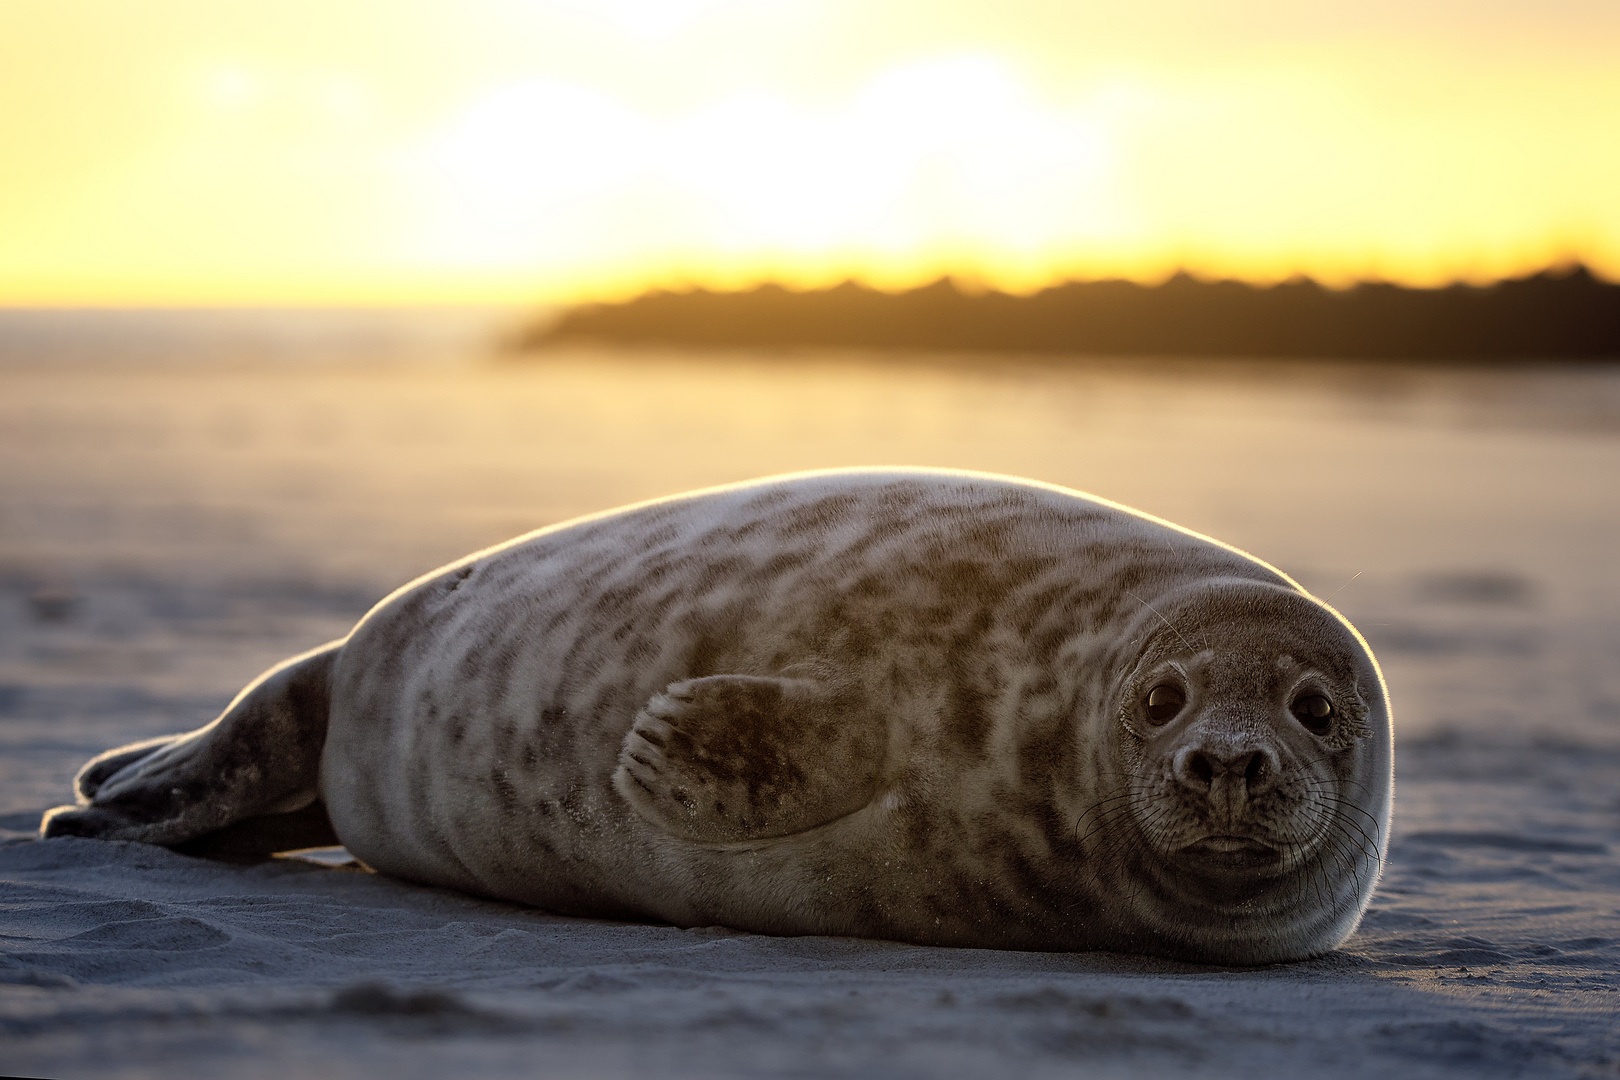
[{"x": 222, "y": 151}]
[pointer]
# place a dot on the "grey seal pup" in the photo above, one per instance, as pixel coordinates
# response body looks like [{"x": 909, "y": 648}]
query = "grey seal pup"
[{"x": 938, "y": 707}]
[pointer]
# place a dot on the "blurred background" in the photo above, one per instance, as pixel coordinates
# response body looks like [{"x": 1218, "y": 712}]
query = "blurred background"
[
  {"x": 262, "y": 266},
  {"x": 189, "y": 152}
]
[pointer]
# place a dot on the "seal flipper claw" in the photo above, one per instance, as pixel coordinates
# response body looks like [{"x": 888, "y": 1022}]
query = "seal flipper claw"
[
  {"x": 260, "y": 757},
  {"x": 729, "y": 758}
]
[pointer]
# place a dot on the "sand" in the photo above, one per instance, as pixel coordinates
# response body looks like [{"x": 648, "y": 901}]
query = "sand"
[{"x": 169, "y": 529}]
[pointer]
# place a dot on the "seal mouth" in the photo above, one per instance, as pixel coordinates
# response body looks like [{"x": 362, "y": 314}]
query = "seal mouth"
[{"x": 1233, "y": 852}]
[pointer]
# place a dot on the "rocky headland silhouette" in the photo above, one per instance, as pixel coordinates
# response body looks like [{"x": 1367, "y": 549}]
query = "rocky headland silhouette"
[{"x": 1567, "y": 313}]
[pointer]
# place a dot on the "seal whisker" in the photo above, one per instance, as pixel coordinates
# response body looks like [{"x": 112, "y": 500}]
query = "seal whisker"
[
  {"x": 1104, "y": 805},
  {"x": 1343, "y": 821},
  {"x": 1109, "y": 803},
  {"x": 1341, "y": 588},
  {"x": 1162, "y": 619},
  {"x": 1347, "y": 781},
  {"x": 1340, "y": 843},
  {"x": 1330, "y": 796},
  {"x": 1353, "y": 866},
  {"x": 1116, "y": 839}
]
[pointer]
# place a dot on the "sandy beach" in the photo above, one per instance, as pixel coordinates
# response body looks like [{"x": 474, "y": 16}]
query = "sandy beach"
[{"x": 169, "y": 529}]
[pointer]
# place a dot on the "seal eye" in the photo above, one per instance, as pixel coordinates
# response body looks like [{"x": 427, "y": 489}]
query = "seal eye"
[
  {"x": 1164, "y": 702},
  {"x": 1315, "y": 712}
]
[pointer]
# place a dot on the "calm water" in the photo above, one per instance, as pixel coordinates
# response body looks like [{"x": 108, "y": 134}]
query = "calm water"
[{"x": 215, "y": 514}]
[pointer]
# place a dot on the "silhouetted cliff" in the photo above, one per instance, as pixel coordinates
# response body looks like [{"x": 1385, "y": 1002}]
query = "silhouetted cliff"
[{"x": 1551, "y": 314}]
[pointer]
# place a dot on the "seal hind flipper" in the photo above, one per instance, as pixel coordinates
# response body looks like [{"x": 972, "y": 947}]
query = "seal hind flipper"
[
  {"x": 260, "y": 757},
  {"x": 103, "y": 766},
  {"x": 729, "y": 758}
]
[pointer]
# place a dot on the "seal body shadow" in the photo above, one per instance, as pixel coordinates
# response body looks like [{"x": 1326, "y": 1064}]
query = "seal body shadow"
[{"x": 244, "y": 785}]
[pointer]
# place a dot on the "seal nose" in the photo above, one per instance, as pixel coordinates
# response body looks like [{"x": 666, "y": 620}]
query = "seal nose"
[{"x": 1226, "y": 773}]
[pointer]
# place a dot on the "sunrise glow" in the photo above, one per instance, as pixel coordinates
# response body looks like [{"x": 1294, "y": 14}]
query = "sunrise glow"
[{"x": 502, "y": 151}]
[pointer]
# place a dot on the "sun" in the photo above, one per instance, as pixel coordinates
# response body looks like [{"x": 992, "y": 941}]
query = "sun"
[{"x": 953, "y": 151}]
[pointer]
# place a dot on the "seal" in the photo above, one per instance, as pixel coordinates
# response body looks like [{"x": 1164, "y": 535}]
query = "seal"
[{"x": 937, "y": 707}]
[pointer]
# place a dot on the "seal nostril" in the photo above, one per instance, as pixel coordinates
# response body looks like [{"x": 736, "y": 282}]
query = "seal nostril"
[
  {"x": 1201, "y": 767},
  {"x": 1255, "y": 770}
]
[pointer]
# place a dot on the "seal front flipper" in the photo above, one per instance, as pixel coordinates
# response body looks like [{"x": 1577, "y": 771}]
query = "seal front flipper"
[
  {"x": 729, "y": 758},
  {"x": 260, "y": 757}
]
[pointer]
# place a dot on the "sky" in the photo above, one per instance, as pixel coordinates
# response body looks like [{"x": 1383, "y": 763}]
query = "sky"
[{"x": 177, "y": 152}]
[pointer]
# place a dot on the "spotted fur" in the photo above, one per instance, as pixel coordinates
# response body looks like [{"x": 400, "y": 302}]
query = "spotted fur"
[{"x": 896, "y": 704}]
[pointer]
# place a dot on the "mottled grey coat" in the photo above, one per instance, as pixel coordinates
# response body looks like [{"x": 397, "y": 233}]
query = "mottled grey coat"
[{"x": 894, "y": 704}]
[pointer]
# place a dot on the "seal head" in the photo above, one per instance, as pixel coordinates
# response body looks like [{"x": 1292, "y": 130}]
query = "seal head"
[{"x": 1247, "y": 776}]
